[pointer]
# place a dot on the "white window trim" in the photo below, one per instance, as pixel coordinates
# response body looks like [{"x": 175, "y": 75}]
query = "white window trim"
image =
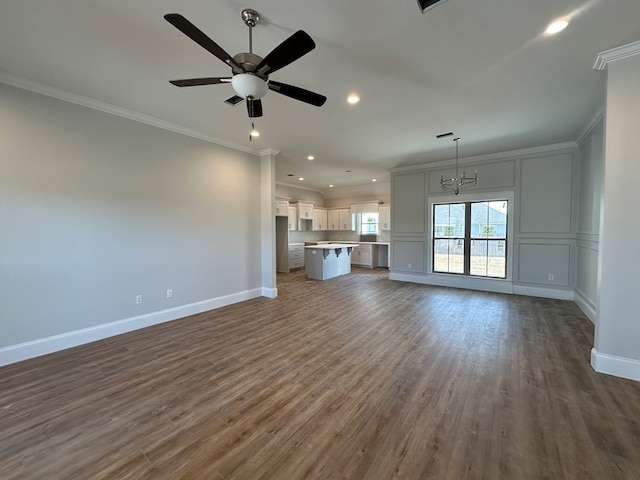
[{"x": 359, "y": 224}]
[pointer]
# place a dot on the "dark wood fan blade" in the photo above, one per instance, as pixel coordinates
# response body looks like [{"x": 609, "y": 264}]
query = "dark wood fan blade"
[
  {"x": 254, "y": 108},
  {"x": 294, "y": 47},
  {"x": 298, "y": 93},
  {"x": 194, "y": 82},
  {"x": 195, "y": 34}
]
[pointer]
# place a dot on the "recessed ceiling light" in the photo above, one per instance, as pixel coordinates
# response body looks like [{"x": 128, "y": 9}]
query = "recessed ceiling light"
[
  {"x": 353, "y": 98},
  {"x": 348, "y": 171},
  {"x": 311, "y": 157},
  {"x": 557, "y": 26},
  {"x": 331, "y": 186},
  {"x": 301, "y": 178},
  {"x": 374, "y": 180}
]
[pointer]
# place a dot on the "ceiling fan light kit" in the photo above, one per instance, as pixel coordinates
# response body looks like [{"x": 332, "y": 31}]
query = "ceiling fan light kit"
[
  {"x": 249, "y": 85},
  {"x": 250, "y": 72}
]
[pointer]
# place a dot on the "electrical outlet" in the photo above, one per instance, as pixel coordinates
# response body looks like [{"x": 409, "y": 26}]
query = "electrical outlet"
[
  {"x": 551, "y": 277},
  {"x": 138, "y": 299},
  {"x": 169, "y": 293},
  {"x": 408, "y": 265}
]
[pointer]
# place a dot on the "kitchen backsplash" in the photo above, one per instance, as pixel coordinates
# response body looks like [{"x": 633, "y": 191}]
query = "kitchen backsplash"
[{"x": 301, "y": 237}]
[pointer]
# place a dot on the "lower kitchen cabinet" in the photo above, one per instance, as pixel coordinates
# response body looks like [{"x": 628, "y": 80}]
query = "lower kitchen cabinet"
[
  {"x": 365, "y": 256},
  {"x": 296, "y": 255}
]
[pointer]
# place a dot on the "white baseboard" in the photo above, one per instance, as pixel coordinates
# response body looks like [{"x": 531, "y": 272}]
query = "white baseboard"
[
  {"x": 269, "y": 292},
  {"x": 617, "y": 366},
  {"x": 471, "y": 283},
  {"x": 43, "y": 346},
  {"x": 484, "y": 284},
  {"x": 586, "y": 305},
  {"x": 544, "y": 292}
]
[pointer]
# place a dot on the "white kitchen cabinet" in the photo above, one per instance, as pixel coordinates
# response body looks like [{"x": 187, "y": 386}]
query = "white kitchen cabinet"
[
  {"x": 319, "y": 219},
  {"x": 333, "y": 219},
  {"x": 364, "y": 207},
  {"x": 365, "y": 256},
  {"x": 305, "y": 211},
  {"x": 293, "y": 218},
  {"x": 339, "y": 219},
  {"x": 296, "y": 255},
  {"x": 282, "y": 208},
  {"x": 345, "y": 220},
  {"x": 384, "y": 216}
]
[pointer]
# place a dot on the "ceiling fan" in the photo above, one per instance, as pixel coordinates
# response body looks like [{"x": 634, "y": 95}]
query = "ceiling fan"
[{"x": 250, "y": 72}]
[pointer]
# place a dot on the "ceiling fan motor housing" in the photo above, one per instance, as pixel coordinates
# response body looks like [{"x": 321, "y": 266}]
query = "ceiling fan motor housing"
[{"x": 249, "y": 63}]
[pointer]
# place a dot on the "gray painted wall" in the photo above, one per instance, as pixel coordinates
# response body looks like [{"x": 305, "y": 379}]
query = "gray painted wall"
[
  {"x": 617, "y": 338},
  {"x": 542, "y": 218},
  {"x": 95, "y": 209},
  {"x": 588, "y": 238}
]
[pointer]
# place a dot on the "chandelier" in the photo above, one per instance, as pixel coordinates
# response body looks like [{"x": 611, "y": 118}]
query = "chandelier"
[{"x": 458, "y": 182}]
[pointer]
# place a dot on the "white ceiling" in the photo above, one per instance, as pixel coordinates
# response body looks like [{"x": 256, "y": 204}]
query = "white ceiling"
[{"x": 482, "y": 69}]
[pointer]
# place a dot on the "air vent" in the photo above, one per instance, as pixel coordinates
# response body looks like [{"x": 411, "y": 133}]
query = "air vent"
[{"x": 426, "y": 5}]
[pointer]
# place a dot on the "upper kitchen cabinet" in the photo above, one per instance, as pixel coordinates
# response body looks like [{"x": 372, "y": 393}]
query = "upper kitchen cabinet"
[
  {"x": 333, "y": 219},
  {"x": 384, "y": 216},
  {"x": 339, "y": 219},
  {"x": 282, "y": 207},
  {"x": 364, "y": 207},
  {"x": 293, "y": 218},
  {"x": 320, "y": 218},
  {"x": 305, "y": 211},
  {"x": 345, "y": 221}
]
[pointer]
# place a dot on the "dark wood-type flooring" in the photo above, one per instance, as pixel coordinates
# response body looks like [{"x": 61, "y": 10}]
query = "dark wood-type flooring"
[{"x": 357, "y": 377}]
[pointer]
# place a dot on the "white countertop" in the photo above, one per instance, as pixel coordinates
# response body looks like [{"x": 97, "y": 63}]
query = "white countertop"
[
  {"x": 331, "y": 246},
  {"x": 364, "y": 243}
]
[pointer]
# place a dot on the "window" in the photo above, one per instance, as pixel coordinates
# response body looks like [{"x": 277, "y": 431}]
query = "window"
[
  {"x": 368, "y": 223},
  {"x": 470, "y": 238}
]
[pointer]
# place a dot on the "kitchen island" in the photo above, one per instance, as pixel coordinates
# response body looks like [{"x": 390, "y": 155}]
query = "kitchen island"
[{"x": 328, "y": 260}]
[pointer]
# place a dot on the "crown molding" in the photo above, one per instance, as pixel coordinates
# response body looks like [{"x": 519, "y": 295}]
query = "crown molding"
[
  {"x": 299, "y": 187},
  {"x": 265, "y": 152},
  {"x": 599, "y": 115},
  {"x": 490, "y": 156},
  {"x": 615, "y": 54},
  {"x": 49, "y": 91}
]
